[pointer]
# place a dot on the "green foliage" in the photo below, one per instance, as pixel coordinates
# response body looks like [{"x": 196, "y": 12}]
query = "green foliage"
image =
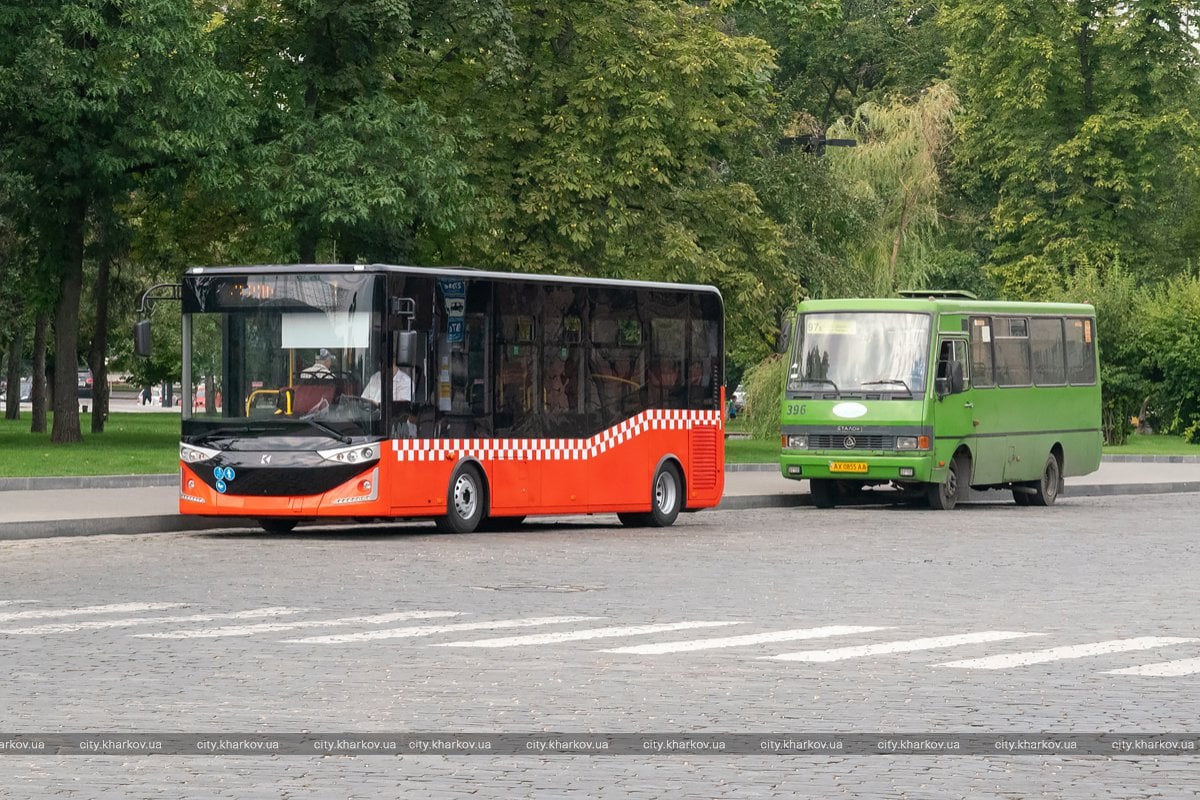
[
  {"x": 615, "y": 154},
  {"x": 764, "y": 388},
  {"x": 1077, "y": 133},
  {"x": 1170, "y": 341}
]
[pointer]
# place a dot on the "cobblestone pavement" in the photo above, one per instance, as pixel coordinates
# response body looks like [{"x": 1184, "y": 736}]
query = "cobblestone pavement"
[{"x": 988, "y": 619}]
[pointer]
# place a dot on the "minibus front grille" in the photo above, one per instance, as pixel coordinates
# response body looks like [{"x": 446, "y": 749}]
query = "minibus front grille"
[{"x": 850, "y": 441}]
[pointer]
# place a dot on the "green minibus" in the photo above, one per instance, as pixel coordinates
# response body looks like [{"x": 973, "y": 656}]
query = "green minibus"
[{"x": 934, "y": 392}]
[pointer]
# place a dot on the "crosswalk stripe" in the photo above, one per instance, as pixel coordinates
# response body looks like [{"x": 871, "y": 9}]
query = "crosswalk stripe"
[
  {"x": 908, "y": 646},
  {"x": 578, "y": 636},
  {"x": 273, "y": 627},
  {"x": 101, "y": 624},
  {"x": 1163, "y": 669},
  {"x": 431, "y": 630},
  {"x": 748, "y": 639},
  {"x": 1070, "y": 651},
  {"x": 117, "y": 608}
]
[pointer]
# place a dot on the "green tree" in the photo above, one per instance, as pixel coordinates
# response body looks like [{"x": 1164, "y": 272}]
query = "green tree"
[
  {"x": 1078, "y": 132},
  {"x": 896, "y": 173},
  {"x": 614, "y": 154},
  {"x": 96, "y": 95}
]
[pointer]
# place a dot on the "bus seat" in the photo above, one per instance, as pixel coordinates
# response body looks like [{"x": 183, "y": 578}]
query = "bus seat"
[{"x": 310, "y": 397}]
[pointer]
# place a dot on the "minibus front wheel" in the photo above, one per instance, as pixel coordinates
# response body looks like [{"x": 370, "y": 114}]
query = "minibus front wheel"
[{"x": 943, "y": 496}]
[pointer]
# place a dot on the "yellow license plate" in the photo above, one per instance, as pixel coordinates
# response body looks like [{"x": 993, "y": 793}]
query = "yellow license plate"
[{"x": 847, "y": 466}]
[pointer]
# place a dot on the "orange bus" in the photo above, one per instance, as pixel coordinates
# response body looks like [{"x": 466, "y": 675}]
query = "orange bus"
[{"x": 474, "y": 398}]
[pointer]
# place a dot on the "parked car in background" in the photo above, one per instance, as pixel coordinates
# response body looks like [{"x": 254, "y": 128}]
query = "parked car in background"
[
  {"x": 26, "y": 389},
  {"x": 85, "y": 383}
]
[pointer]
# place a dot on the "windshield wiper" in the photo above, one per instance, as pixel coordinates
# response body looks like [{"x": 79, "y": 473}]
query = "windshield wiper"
[
  {"x": 888, "y": 380},
  {"x": 822, "y": 380},
  {"x": 334, "y": 432}
]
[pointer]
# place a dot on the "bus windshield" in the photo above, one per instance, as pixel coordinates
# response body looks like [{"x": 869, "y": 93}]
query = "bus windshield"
[
  {"x": 853, "y": 354},
  {"x": 272, "y": 355}
]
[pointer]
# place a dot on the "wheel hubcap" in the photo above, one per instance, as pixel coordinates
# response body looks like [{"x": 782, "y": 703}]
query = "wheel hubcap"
[
  {"x": 465, "y": 497},
  {"x": 664, "y": 493}
]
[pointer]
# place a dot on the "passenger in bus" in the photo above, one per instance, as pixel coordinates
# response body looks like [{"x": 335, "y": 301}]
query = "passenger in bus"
[
  {"x": 401, "y": 387},
  {"x": 321, "y": 368},
  {"x": 558, "y": 400}
]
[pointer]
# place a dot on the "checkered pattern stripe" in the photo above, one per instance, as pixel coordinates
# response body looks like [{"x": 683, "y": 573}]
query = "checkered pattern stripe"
[{"x": 555, "y": 449}]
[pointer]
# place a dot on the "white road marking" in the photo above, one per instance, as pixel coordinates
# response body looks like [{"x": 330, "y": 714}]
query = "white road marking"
[
  {"x": 1069, "y": 651},
  {"x": 578, "y": 636},
  {"x": 431, "y": 630},
  {"x": 748, "y": 639},
  {"x": 100, "y": 624},
  {"x": 273, "y": 627},
  {"x": 1163, "y": 669},
  {"x": 908, "y": 646},
  {"x": 118, "y": 608}
]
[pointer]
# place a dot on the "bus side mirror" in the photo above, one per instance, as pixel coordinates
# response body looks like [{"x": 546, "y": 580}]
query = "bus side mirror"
[
  {"x": 407, "y": 354},
  {"x": 785, "y": 336},
  {"x": 141, "y": 338}
]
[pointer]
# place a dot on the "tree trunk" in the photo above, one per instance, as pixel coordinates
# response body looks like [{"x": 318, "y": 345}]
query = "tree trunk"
[
  {"x": 37, "y": 394},
  {"x": 66, "y": 330},
  {"x": 12, "y": 405},
  {"x": 100, "y": 346}
]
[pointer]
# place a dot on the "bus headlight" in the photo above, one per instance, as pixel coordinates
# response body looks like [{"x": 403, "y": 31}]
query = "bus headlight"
[
  {"x": 190, "y": 453},
  {"x": 797, "y": 442},
  {"x": 356, "y": 454},
  {"x": 912, "y": 442}
]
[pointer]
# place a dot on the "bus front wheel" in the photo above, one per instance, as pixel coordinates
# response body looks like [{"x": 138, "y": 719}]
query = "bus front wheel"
[
  {"x": 943, "y": 496},
  {"x": 464, "y": 506},
  {"x": 823, "y": 492},
  {"x": 1045, "y": 491}
]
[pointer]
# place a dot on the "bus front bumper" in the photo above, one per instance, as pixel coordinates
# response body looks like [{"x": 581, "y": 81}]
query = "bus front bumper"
[{"x": 850, "y": 466}]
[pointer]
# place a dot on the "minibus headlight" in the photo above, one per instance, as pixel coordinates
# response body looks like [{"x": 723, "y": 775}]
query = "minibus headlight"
[
  {"x": 795, "y": 442},
  {"x": 190, "y": 453},
  {"x": 356, "y": 454},
  {"x": 906, "y": 443}
]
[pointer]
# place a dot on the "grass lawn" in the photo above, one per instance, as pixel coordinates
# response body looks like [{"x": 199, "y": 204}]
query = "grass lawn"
[
  {"x": 1154, "y": 445},
  {"x": 132, "y": 444},
  {"x": 140, "y": 444}
]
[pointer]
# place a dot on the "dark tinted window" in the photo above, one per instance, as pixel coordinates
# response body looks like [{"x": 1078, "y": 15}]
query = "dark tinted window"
[
  {"x": 981, "y": 352},
  {"x": 1081, "y": 351},
  {"x": 1011, "y": 335},
  {"x": 1046, "y": 345}
]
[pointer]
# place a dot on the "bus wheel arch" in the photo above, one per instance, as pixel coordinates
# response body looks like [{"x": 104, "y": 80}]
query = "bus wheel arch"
[
  {"x": 466, "y": 498},
  {"x": 945, "y": 495}
]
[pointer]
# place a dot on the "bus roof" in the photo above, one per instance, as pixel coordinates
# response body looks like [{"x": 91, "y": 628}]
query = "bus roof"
[
  {"x": 946, "y": 305},
  {"x": 467, "y": 273}
]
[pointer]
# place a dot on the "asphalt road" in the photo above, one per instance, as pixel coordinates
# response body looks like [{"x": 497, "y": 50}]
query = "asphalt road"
[{"x": 733, "y": 627}]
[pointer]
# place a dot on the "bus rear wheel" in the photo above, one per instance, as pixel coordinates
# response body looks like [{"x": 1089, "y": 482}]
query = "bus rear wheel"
[
  {"x": 1045, "y": 491},
  {"x": 944, "y": 496},
  {"x": 666, "y": 500},
  {"x": 464, "y": 506}
]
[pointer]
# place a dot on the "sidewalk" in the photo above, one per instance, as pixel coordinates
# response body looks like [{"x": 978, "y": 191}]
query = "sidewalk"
[{"x": 33, "y": 508}]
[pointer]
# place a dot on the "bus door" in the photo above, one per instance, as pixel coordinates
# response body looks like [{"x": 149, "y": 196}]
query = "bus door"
[{"x": 954, "y": 415}]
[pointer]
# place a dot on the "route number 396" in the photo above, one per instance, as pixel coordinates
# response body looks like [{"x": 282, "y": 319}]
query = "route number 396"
[{"x": 796, "y": 409}]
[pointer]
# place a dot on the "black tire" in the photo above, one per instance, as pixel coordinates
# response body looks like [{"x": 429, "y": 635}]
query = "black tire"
[
  {"x": 666, "y": 496},
  {"x": 633, "y": 520},
  {"x": 1045, "y": 491},
  {"x": 464, "y": 502},
  {"x": 273, "y": 525},
  {"x": 823, "y": 492},
  {"x": 944, "y": 496},
  {"x": 1021, "y": 497}
]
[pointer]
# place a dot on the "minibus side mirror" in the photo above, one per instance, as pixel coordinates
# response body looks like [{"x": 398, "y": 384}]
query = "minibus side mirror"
[
  {"x": 957, "y": 382},
  {"x": 785, "y": 335},
  {"x": 141, "y": 338}
]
